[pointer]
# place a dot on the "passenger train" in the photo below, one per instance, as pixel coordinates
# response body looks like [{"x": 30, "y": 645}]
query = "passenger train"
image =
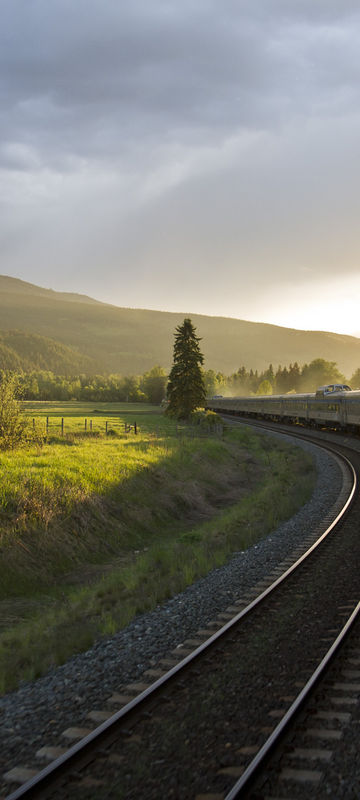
[{"x": 333, "y": 406}]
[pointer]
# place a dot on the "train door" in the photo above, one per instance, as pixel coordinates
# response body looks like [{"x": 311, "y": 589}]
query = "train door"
[{"x": 342, "y": 413}]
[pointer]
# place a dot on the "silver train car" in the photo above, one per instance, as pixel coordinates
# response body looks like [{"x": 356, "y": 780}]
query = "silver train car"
[{"x": 333, "y": 406}]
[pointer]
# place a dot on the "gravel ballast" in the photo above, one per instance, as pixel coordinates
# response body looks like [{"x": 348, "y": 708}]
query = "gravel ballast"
[{"x": 38, "y": 712}]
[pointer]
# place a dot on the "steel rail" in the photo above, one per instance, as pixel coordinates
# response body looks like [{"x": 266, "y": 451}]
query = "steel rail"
[
  {"x": 297, "y": 430},
  {"x": 53, "y": 770},
  {"x": 251, "y": 773},
  {"x": 258, "y": 763}
]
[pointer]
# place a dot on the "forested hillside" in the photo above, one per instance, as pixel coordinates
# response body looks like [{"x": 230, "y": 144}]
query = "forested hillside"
[
  {"x": 131, "y": 341},
  {"x": 27, "y": 352}
]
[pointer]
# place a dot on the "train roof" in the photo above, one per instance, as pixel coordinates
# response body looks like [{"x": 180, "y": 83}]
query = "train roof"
[
  {"x": 347, "y": 394},
  {"x": 258, "y": 396},
  {"x": 332, "y": 388}
]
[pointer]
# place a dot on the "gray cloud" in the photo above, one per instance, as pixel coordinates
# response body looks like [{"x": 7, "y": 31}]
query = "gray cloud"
[{"x": 84, "y": 77}]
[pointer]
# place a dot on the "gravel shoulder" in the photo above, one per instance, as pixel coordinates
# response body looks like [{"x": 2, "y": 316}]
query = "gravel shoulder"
[{"x": 39, "y": 711}]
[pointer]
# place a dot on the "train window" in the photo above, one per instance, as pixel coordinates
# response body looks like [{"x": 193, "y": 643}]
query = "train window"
[{"x": 333, "y": 387}]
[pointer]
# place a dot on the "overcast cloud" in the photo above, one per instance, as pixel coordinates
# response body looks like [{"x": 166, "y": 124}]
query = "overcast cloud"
[{"x": 198, "y": 156}]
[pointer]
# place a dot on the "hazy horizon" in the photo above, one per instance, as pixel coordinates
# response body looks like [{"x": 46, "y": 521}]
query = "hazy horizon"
[{"x": 187, "y": 312}]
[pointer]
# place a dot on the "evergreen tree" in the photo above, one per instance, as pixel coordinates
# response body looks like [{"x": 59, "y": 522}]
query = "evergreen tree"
[
  {"x": 186, "y": 388},
  {"x": 268, "y": 375},
  {"x": 294, "y": 377}
]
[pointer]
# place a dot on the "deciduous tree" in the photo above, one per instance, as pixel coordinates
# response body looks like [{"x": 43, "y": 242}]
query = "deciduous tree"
[
  {"x": 355, "y": 379},
  {"x": 318, "y": 373},
  {"x": 12, "y": 423},
  {"x": 154, "y": 384},
  {"x": 265, "y": 387}
]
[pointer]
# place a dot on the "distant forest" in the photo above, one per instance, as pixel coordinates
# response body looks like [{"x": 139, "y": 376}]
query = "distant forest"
[
  {"x": 50, "y": 370},
  {"x": 151, "y": 386}
]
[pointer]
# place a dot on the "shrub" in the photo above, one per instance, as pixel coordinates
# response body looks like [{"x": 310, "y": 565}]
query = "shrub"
[
  {"x": 205, "y": 418},
  {"x": 13, "y": 426}
]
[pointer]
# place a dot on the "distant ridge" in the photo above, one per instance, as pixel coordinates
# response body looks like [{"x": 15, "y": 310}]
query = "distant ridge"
[
  {"x": 17, "y": 286},
  {"x": 131, "y": 341}
]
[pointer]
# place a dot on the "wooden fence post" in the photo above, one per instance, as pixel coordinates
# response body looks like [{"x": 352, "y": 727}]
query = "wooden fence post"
[
  {"x": 62, "y": 426},
  {"x": 85, "y": 423},
  {"x": 47, "y": 425},
  {"x": 135, "y": 428},
  {"x": 91, "y": 424}
]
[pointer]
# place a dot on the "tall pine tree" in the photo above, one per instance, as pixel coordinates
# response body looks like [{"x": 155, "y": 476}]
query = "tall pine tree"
[{"x": 186, "y": 388}]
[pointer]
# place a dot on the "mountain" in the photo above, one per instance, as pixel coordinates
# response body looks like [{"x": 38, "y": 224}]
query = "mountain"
[
  {"x": 17, "y": 286},
  {"x": 130, "y": 341}
]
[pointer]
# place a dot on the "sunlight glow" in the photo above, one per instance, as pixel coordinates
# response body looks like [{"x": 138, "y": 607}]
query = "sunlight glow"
[{"x": 316, "y": 306}]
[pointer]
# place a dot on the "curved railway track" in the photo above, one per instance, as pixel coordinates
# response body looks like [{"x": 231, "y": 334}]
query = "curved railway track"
[{"x": 208, "y": 724}]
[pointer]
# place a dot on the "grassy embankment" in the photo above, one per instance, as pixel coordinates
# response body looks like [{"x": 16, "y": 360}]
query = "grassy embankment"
[{"x": 95, "y": 529}]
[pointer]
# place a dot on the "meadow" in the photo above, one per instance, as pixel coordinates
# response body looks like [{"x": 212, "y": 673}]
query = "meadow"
[{"x": 96, "y": 528}]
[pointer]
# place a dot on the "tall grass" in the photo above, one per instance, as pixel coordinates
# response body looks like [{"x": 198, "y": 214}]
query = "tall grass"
[{"x": 95, "y": 530}]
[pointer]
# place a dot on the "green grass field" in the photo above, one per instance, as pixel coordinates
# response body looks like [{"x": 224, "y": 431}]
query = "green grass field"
[{"x": 96, "y": 528}]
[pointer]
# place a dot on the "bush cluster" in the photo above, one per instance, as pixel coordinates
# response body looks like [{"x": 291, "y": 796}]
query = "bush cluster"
[
  {"x": 13, "y": 426},
  {"x": 205, "y": 418}
]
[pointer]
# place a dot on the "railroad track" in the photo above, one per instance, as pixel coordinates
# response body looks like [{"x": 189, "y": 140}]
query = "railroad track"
[
  {"x": 311, "y": 753},
  {"x": 218, "y": 704}
]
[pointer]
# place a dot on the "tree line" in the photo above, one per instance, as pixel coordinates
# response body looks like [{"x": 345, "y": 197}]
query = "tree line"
[
  {"x": 152, "y": 385},
  {"x": 46, "y": 385},
  {"x": 292, "y": 378}
]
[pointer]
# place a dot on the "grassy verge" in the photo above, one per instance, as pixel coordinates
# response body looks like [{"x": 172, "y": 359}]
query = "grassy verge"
[{"x": 95, "y": 529}]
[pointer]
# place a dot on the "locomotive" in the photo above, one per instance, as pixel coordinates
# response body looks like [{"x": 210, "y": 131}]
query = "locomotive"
[{"x": 333, "y": 406}]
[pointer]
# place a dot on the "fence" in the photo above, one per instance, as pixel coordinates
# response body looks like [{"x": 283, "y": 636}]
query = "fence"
[
  {"x": 115, "y": 426},
  {"x": 63, "y": 425}
]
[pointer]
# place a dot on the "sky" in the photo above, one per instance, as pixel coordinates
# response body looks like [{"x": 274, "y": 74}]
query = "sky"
[{"x": 195, "y": 156}]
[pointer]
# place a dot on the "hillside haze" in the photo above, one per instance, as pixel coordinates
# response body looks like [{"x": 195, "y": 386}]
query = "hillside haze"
[{"x": 105, "y": 338}]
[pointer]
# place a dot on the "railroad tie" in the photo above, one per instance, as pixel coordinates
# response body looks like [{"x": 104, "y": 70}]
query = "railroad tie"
[
  {"x": 154, "y": 673},
  {"x": 73, "y": 734},
  {"x": 136, "y": 688},
  {"x": 120, "y": 699},
  {"x": 327, "y": 734},
  {"x": 311, "y": 754},
  {"x": 344, "y": 701},
  {"x": 19, "y": 775},
  {"x": 99, "y": 716},
  {"x": 339, "y": 716},
  {"x": 232, "y": 772},
  {"x": 313, "y": 776},
  {"x": 49, "y": 753}
]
